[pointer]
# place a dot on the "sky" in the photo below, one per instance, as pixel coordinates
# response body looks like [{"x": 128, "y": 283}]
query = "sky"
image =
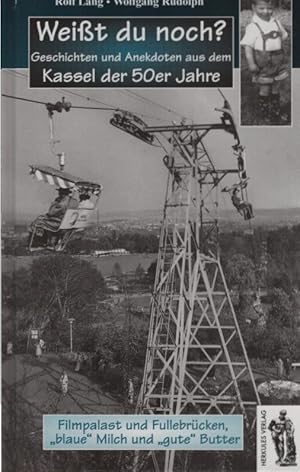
[{"x": 131, "y": 171}]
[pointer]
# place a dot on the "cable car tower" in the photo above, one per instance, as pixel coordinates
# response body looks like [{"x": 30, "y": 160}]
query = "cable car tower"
[{"x": 194, "y": 337}]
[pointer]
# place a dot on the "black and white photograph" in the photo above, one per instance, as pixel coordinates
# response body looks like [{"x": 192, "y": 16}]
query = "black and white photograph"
[
  {"x": 265, "y": 62},
  {"x": 150, "y": 265}
]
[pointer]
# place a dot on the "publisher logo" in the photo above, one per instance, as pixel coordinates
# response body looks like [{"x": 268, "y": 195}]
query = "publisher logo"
[{"x": 278, "y": 438}]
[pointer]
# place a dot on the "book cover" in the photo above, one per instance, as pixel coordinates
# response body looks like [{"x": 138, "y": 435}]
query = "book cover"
[{"x": 150, "y": 235}]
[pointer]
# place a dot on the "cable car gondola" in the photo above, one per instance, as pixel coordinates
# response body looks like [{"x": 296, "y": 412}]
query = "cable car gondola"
[
  {"x": 131, "y": 124},
  {"x": 228, "y": 120},
  {"x": 70, "y": 212}
]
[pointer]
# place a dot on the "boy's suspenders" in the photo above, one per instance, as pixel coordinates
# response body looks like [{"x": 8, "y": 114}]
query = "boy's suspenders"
[{"x": 270, "y": 35}]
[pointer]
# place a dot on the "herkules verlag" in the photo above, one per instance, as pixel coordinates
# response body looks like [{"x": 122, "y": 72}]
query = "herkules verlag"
[{"x": 86, "y": 30}]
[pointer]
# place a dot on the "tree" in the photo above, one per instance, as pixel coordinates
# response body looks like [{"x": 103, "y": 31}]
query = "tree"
[
  {"x": 151, "y": 272},
  {"x": 54, "y": 289},
  {"x": 16, "y": 289},
  {"x": 66, "y": 285},
  {"x": 279, "y": 342},
  {"x": 122, "y": 353},
  {"x": 282, "y": 311},
  {"x": 280, "y": 337},
  {"x": 282, "y": 281},
  {"x": 240, "y": 273},
  {"x": 113, "y": 341}
]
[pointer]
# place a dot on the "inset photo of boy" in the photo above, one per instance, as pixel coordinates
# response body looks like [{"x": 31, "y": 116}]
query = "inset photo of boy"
[{"x": 266, "y": 62}]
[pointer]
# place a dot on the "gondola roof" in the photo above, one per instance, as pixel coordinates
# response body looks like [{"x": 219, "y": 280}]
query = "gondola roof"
[{"x": 62, "y": 179}]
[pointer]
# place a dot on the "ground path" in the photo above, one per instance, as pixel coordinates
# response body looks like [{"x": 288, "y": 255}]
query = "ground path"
[{"x": 34, "y": 386}]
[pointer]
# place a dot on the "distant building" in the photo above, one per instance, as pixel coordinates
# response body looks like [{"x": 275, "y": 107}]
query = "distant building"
[{"x": 111, "y": 252}]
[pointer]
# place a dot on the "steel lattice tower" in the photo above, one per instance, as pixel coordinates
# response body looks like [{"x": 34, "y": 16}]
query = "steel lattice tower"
[{"x": 193, "y": 325}]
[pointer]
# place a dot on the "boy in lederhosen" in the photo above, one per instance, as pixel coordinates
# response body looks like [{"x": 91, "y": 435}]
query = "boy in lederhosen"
[{"x": 263, "y": 44}]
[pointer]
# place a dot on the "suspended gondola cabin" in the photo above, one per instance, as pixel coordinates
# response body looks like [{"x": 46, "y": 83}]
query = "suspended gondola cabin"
[
  {"x": 131, "y": 124},
  {"x": 69, "y": 213}
]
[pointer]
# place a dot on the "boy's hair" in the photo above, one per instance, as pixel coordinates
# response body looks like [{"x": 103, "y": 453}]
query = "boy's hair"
[{"x": 271, "y": 2}]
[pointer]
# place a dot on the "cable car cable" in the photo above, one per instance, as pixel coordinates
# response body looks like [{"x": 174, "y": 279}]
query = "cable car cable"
[
  {"x": 23, "y": 99},
  {"x": 141, "y": 97},
  {"x": 125, "y": 92},
  {"x": 45, "y": 103},
  {"x": 25, "y": 76}
]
